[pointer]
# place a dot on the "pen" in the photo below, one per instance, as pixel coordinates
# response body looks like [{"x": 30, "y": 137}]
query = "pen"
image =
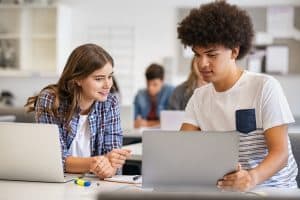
[
  {"x": 136, "y": 177},
  {"x": 82, "y": 182}
]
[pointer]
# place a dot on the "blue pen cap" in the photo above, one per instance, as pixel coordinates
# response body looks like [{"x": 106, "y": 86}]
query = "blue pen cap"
[{"x": 87, "y": 183}]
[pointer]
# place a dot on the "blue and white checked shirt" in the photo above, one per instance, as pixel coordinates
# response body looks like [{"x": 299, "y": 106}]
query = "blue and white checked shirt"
[{"x": 104, "y": 124}]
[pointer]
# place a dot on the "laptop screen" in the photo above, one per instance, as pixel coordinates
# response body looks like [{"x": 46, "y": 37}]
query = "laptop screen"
[{"x": 187, "y": 159}]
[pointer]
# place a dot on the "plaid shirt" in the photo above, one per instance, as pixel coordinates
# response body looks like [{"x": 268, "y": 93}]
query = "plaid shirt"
[{"x": 104, "y": 124}]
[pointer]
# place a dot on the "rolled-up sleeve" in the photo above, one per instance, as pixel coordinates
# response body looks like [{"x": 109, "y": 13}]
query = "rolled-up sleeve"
[
  {"x": 44, "y": 115},
  {"x": 113, "y": 136}
]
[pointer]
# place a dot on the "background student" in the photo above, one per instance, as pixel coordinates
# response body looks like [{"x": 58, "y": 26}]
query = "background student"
[
  {"x": 150, "y": 101},
  {"x": 115, "y": 89},
  {"x": 86, "y": 113},
  {"x": 183, "y": 92},
  {"x": 235, "y": 99}
]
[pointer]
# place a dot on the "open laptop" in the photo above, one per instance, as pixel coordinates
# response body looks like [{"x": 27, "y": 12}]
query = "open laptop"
[
  {"x": 189, "y": 161},
  {"x": 30, "y": 152},
  {"x": 171, "y": 119}
]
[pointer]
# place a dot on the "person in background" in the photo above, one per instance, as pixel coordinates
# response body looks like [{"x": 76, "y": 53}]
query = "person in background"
[
  {"x": 183, "y": 92},
  {"x": 150, "y": 101},
  {"x": 115, "y": 90},
  {"x": 235, "y": 99},
  {"x": 86, "y": 113}
]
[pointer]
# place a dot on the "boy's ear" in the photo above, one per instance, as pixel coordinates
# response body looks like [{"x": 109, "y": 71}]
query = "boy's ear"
[{"x": 235, "y": 52}]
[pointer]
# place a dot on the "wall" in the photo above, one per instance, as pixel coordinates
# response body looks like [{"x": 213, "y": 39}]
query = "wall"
[
  {"x": 154, "y": 23},
  {"x": 289, "y": 84},
  {"x": 24, "y": 87}
]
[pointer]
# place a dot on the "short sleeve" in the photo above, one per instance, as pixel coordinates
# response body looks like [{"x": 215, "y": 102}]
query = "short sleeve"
[
  {"x": 136, "y": 106},
  {"x": 275, "y": 108}
]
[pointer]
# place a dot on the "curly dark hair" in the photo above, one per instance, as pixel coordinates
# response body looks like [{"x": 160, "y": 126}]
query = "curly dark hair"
[{"x": 217, "y": 23}]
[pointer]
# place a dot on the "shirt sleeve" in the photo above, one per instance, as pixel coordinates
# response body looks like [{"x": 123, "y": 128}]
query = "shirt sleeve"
[
  {"x": 174, "y": 101},
  {"x": 190, "y": 111},
  {"x": 113, "y": 136},
  {"x": 43, "y": 115},
  {"x": 275, "y": 108},
  {"x": 137, "y": 107}
]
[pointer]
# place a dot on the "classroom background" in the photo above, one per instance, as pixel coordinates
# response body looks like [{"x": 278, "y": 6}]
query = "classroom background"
[{"x": 37, "y": 37}]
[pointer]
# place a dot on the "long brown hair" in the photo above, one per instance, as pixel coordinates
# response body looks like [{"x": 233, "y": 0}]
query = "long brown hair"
[
  {"x": 83, "y": 61},
  {"x": 192, "y": 79}
]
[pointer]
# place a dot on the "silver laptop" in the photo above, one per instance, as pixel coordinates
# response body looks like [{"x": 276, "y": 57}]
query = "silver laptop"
[
  {"x": 171, "y": 120},
  {"x": 30, "y": 152},
  {"x": 127, "y": 118},
  {"x": 176, "y": 161}
]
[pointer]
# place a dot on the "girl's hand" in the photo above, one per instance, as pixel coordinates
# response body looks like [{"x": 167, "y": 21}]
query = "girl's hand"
[{"x": 101, "y": 167}]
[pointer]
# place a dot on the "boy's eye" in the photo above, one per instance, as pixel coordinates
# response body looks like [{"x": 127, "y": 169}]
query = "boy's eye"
[{"x": 211, "y": 55}]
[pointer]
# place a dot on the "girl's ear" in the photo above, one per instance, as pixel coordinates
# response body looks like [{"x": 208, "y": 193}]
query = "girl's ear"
[
  {"x": 235, "y": 52},
  {"x": 78, "y": 82}
]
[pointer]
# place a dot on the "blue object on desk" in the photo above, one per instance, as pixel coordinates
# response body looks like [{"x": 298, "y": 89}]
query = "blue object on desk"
[{"x": 82, "y": 182}]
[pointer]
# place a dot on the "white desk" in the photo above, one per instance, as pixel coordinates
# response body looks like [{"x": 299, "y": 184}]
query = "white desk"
[
  {"x": 7, "y": 118},
  {"x": 65, "y": 191},
  {"x": 134, "y": 133},
  {"x": 58, "y": 191},
  {"x": 138, "y": 132},
  {"x": 136, "y": 151}
]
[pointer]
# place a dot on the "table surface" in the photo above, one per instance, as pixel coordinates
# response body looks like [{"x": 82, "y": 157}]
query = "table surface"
[{"x": 61, "y": 191}]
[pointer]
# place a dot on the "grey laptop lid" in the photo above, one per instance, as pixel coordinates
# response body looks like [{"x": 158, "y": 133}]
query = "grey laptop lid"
[
  {"x": 30, "y": 152},
  {"x": 173, "y": 159}
]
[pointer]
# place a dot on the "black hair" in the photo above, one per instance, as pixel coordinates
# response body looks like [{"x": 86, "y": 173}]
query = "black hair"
[
  {"x": 217, "y": 23},
  {"x": 155, "y": 71}
]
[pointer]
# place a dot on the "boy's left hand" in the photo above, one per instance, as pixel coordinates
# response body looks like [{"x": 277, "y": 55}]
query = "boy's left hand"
[{"x": 240, "y": 180}]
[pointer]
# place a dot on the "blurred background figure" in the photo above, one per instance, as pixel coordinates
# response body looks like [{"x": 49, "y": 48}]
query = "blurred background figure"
[
  {"x": 115, "y": 89},
  {"x": 150, "y": 101},
  {"x": 184, "y": 91},
  {"x": 6, "y": 98}
]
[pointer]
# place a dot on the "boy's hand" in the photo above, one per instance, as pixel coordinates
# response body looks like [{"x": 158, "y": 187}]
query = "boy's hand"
[{"x": 241, "y": 180}]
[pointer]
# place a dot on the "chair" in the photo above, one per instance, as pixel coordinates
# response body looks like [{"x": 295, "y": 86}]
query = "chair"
[{"x": 295, "y": 142}]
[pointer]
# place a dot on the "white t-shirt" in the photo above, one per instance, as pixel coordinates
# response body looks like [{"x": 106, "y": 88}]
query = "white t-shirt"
[
  {"x": 80, "y": 146},
  {"x": 216, "y": 111}
]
